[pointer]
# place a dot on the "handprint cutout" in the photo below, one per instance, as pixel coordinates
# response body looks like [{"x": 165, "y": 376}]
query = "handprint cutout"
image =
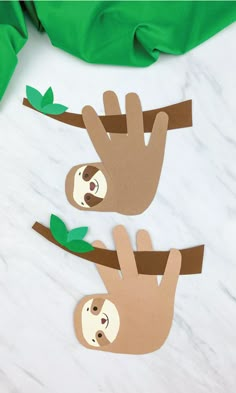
[
  {"x": 127, "y": 178},
  {"x": 135, "y": 316}
]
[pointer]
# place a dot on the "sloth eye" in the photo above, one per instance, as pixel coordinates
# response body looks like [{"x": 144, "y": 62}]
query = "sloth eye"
[
  {"x": 99, "y": 335},
  {"x": 95, "y": 308},
  {"x": 87, "y": 198},
  {"x": 86, "y": 175}
]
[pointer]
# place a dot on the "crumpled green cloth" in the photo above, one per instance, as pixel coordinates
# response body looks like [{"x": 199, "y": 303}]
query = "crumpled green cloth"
[{"x": 132, "y": 33}]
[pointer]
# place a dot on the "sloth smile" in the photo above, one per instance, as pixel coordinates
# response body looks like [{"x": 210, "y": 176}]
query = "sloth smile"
[
  {"x": 96, "y": 185},
  {"x": 103, "y": 320}
]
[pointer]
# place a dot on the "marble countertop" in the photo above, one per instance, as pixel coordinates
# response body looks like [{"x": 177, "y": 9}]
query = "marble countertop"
[{"x": 196, "y": 203}]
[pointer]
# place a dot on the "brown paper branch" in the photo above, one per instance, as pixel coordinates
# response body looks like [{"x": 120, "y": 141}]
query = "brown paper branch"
[
  {"x": 148, "y": 262},
  {"x": 180, "y": 116}
]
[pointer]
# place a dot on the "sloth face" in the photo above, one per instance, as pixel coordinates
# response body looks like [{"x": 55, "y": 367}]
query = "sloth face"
[
  {"x": 100, "y": 322},
  {"x": 90, "y": 186}
]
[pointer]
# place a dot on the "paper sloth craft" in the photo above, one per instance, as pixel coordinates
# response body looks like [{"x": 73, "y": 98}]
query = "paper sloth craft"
[
  {"x": 136, "y": 314},
  {"x": 127, "y": 178}
]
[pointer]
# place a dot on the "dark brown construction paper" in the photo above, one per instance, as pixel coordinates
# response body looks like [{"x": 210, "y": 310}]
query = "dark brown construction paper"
[
  {"x": 148, "y": 262},
  {"x": 180, "y": 116}
]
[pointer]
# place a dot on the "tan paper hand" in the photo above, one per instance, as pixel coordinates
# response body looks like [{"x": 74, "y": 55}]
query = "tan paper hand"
[
  {"x": 127, "y": 179},
  {"x": 136, "y": 314}
]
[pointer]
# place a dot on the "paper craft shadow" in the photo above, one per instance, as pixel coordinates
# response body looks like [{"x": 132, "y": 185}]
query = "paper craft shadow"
[
  {"x": 127, "y": 178},
  {"x": 135, "y": 316}
]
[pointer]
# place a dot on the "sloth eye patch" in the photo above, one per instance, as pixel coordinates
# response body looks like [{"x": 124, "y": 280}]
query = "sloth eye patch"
[
  {"x": 102, "y": 339},
  {"x": 92, "y": 200},
  {"x": 89, "y": 172}
]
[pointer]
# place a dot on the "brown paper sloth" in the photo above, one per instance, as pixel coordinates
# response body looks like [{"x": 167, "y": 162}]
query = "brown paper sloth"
[
  {"x": 127, "y": 178},
  {"x": 135, "y": 316}
]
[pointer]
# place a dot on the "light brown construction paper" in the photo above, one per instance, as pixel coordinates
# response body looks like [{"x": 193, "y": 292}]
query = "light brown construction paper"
[
  {"x": 136, "y": 315},
  {"x": 127, "y": 178}
]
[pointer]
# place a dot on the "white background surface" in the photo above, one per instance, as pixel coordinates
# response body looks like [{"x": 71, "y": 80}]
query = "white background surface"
[{"x": 196, "y": 203}]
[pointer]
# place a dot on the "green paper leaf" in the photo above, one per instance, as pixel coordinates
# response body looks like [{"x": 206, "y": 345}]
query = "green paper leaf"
[
  {"x": 79, "y": 246},
  {"x": 58, "y": 229},
  {"x": 47, "y": 98},
  {"x": 77, "y": 234},
  {"x": 34, "y": 97},
  {"x": 54, "y": 109}
]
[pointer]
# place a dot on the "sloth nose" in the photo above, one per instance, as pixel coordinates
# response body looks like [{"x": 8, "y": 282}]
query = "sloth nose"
[
  {"x": 103, "y": 320},
  {"x": 92, "y": 186}
]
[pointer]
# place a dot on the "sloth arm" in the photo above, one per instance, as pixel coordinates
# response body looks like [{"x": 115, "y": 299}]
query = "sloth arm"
[
  {"x": 158, "y": 135},
  {"x": 125, "y": 253},
  {"x": 135, "y": 127},
  {"x": 134, "y": 119},
  {"x": 112, "y": 107},
  {"x": 110, "y": 277},
  {"x": 97, "y": 132},
  {"x": 171, "y": 275}
]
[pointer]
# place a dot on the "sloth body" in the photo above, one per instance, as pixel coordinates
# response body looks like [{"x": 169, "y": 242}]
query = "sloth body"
[
  {"x": 130, "y": 170},
  {"x": 135, "y": 316}
]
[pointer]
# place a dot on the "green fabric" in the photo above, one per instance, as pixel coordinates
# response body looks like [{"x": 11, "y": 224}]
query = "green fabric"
[
  {"x": 112, "y": 32},
  {"x": 132, "y": 33},
  {"x": 13, "y": 35}
]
